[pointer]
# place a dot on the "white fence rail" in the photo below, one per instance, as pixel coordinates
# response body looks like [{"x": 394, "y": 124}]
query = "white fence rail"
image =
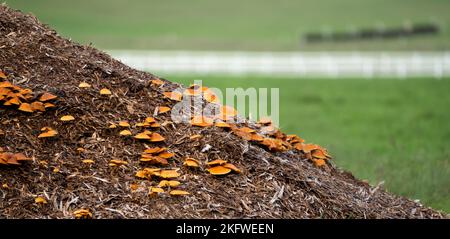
[{"x": 296, "y": 64}]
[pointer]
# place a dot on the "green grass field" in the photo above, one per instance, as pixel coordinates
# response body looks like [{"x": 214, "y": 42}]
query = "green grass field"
[
  {"x": 235, "y": 24},
  {"x": 396, "y": 131}
]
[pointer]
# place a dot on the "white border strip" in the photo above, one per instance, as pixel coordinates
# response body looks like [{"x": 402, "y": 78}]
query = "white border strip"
[{"x": 297, "y": 64}]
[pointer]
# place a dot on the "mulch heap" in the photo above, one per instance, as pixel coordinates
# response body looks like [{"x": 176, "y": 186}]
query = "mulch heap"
[{"x": 84, "y": 136}]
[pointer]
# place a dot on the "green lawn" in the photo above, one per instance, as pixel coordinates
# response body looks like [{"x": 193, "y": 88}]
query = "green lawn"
[
  {"x": 396, "y": 131},
  {"x": 235, "y": 24}
]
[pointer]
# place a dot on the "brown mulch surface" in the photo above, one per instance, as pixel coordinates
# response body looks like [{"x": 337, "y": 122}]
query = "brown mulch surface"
[{"x": 272, "y": 185}]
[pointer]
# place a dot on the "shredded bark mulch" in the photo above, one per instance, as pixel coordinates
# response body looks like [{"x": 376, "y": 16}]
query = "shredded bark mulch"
[{"x": 271, "y": 185}]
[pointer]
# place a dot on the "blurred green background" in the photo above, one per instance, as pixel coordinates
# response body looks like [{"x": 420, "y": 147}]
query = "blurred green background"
[
  {"x": 234, "y": 24},
  {"x": 390, "y": 130}
]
